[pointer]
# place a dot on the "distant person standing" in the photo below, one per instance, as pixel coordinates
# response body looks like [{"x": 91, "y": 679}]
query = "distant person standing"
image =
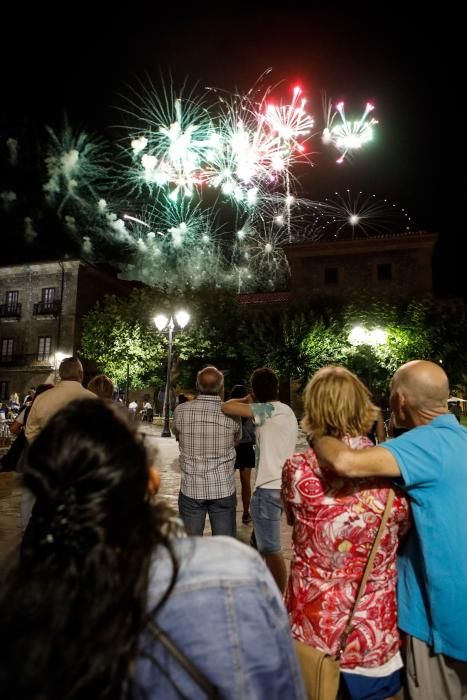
[
  {"x": 455, "y": 408},
  {"x": 29, "y": 396},
  {"x": 207, "y": 456},
  {"x": 377, "y": 432},
  {"x": 102, "y": 386},
  {"x": 147, "y": 412},
  {"x": 245, "y": 450},
  {"x": 47, "y": 404},
  {"x": 133, "y": 409},
  {"x": 276, "y": 437},
  {"x": 14, "y": 458},
  {"x": 13, "y": 403}
]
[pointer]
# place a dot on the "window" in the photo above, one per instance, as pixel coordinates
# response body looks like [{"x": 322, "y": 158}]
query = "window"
[
  {"x": 331, "y": 275},
  {"x": 48, "y": 296},
  {"x": 4, "y": 394},
  {"x": 384, "y": 272},
  {"x": 11, "y": 299},
  {"x": 7, "y": 349},
  {"x": 43, "y": 351}
]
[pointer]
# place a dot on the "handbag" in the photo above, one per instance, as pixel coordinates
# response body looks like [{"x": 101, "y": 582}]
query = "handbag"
[{"x": 321, "y": 671}]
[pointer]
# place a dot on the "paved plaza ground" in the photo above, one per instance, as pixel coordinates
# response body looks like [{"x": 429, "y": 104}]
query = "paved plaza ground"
[{"x": 166, "y": 455}]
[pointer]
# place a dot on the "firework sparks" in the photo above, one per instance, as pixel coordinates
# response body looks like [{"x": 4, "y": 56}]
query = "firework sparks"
[
  {"x": 190, "y": 162},
  {"x": 349, "y": 135},
  {"x": 265, "y": 254},
  {"x": 290, "y": 122},
  {"x": 76, "y": 167},
  {"x": 348, "y": 215}
]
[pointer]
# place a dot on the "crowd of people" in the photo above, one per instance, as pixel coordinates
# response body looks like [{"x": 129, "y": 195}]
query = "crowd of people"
[{"x": 112, "y": 595}]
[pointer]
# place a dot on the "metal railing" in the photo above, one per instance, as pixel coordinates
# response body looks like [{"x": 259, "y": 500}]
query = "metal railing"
[
  {"x": 10, "y": 310},
  {"x": 26, "y": 360},
  {"x": 46, "y": 308}
]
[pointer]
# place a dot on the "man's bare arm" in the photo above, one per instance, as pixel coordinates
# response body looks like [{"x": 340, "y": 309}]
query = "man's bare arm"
[
  {"x": 238, "y": 407},
  {"x": 374, "y": 461}
]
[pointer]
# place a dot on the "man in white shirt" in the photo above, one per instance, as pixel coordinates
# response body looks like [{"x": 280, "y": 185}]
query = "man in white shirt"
[
  {"x": 276, "y": 437},
  {"x": 132, "y": 409},
  {"x": 50, "y": 402}
]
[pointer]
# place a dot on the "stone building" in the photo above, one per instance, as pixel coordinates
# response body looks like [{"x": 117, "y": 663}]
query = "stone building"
[
  {"x": 393, "y": 265},
  {"x": 41, "y": 308}
]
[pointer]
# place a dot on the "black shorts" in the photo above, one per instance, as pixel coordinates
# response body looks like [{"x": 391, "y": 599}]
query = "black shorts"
[{"x": 245, "y": 455}]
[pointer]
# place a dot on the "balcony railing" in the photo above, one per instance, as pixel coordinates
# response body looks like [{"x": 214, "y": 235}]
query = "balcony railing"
[
  {"x": 10, "y": 310},
  {"x": 47, "y": 308},
  {"x": 25, "y": 360}
]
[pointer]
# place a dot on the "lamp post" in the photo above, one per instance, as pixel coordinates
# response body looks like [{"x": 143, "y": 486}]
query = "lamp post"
[
  {"x": 369, "y": 337},
  {"x": 162, "y": 322}
]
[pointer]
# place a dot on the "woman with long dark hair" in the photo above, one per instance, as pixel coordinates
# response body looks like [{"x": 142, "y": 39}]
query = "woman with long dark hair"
[{"x": 103, "y": 577}]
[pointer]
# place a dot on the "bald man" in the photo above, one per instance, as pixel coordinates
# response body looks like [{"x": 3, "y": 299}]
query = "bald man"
[
  {"x": 430, "y": 463},
  {"x": 207, "y": 440}
]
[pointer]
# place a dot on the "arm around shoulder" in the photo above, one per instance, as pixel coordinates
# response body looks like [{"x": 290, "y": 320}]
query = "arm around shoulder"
[
  {"x": 372, "y": 461},
  {"x": 237, "y": 407}
]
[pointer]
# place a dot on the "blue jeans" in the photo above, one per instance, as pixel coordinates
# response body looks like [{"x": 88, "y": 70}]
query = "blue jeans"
[
  {"x": 222, "y": 514},
  {"x": 266, "y": 511}
]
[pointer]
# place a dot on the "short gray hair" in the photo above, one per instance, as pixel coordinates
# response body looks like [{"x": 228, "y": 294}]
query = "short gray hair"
[
  {"x": 210, "y": 381},
  {"x": 71, "y": 369}
]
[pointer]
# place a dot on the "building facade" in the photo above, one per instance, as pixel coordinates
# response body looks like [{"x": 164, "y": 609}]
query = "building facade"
[
  {"x": 392, "y": 266},
  {"x": 41, "y": 308}
]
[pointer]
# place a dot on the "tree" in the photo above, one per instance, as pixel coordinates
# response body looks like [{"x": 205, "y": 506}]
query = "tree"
[
  {"x": 415, "y": 330},
  {"x": 120, "y": 344},
  {"x": 120, "y": 332},
  {"x": 295, "y": 341}
]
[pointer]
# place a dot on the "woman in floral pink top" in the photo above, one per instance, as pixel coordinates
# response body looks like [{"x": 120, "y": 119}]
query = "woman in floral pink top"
[{"x": 335, "y": 521}]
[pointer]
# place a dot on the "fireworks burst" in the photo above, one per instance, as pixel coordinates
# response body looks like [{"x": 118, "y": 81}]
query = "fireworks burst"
[
  {"x": 75, "y": 166},
  {"x": 241, "y": 147},
  {"x": 174, "y": 138},
  {"x": 191, "y": 160},
  {"x": 290, "y": 122},
  {"x": 265, "y": 255},
  {"x": 348, "y": 135},
  {"x": 349, "y": 216}
]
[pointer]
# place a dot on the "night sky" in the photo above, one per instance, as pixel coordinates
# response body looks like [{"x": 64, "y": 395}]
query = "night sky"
[{"x": 79, "y": 58}]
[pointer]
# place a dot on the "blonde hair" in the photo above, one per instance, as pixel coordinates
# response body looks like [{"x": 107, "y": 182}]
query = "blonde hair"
[
  {"x": 337, "y": 403},
  {"x": 102, "y": 386}
]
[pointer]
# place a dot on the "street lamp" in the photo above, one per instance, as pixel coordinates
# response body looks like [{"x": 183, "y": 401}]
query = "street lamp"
[
  {"x": 372, "y": 338},
  {"x": 362, "y": 336},
  {"x": 162, "y": 322}
]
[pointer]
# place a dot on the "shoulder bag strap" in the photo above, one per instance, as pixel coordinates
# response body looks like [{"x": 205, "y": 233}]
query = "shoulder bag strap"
[
  {"x": 199, "y": 678},
  {"x": 368, "y": 568}
]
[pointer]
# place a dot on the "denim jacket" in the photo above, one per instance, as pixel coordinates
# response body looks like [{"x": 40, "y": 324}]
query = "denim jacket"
[{"x": 227, "y": 616}]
